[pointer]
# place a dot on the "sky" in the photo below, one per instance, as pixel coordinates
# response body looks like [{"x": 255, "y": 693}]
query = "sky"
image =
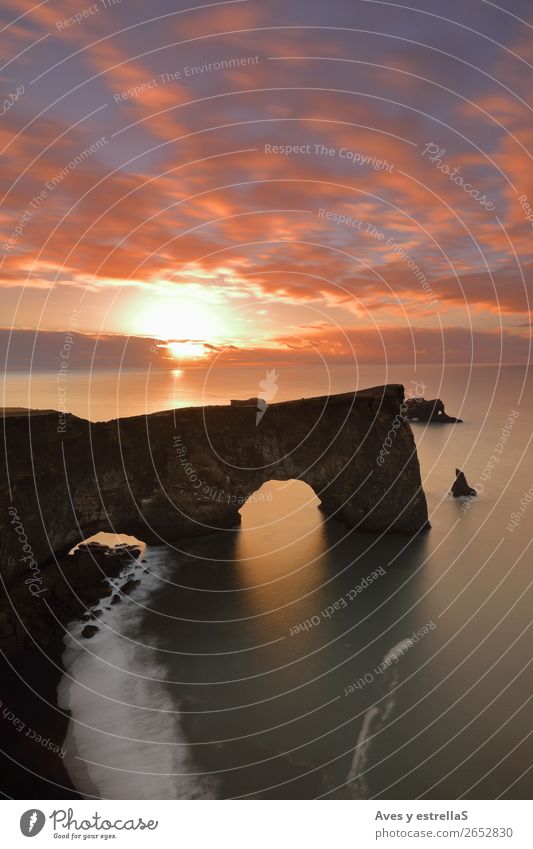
[{"x": 267, "y": 182}]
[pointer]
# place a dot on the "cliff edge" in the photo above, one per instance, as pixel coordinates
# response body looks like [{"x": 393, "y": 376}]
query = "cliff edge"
[{"x": 188, "y": 471}]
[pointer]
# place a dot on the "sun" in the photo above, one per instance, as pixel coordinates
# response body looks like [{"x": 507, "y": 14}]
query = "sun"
[
  {"x": 186, "y": 350},
  {"x": 180, "y": 317},
  {"x": 182, "y": 320}
]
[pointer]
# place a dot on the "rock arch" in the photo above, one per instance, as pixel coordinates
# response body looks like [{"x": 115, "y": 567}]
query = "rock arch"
[{"x": 188, "y": 471}]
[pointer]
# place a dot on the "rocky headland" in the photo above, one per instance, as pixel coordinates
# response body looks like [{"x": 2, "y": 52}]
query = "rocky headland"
[
  {"x": 183, "y": 473},
  {"x": 162, "y": 477}
]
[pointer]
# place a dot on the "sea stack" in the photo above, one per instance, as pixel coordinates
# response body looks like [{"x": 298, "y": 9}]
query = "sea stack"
[
  {"x": 461, "y": 487},
  {"x": 420, "y": 410}
]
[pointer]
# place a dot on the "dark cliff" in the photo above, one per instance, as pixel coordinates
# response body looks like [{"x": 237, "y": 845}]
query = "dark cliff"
[{"x": 188, "y": 471}]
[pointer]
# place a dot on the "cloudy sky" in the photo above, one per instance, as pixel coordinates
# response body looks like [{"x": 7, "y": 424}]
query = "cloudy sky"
[{"x": 269, "y": 180}]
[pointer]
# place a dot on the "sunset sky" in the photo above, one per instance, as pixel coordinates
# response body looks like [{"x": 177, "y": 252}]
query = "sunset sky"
[{"x": 148, "y": 189}]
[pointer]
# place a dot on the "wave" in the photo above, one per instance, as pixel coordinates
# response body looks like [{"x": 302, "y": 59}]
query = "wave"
[
  {"x": 374, "y": 721},
  {"x": 124, "y": 739}
]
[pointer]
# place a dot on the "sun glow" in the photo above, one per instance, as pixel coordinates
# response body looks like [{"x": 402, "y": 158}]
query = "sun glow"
[
  {"x": 186, "y": 350},
  {"x": 184, "y": 320}
]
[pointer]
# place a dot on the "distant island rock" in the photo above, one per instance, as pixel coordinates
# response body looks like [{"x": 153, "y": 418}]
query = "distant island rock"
[
  {"x": 420, "y": 410},
  {"x": 461, "y": 488}
]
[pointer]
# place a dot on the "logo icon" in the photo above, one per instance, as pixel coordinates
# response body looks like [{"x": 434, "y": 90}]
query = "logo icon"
[
  {"x": 32, "y": 822},
  {"x": 270, "y": 389}
]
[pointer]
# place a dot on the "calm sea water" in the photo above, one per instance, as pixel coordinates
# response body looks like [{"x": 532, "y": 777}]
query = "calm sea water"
[
  {"x": 103, "y": 395},
  {"x": 205, "y": 684}
]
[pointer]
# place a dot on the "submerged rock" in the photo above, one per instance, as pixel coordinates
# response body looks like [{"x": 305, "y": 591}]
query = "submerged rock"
[
  {"x": 420, "y": 410},
  {"x": 105, "y": 556},
  {"x": 128, "y": 587},
  {"x": 89, "y": 631},
  {"x": 461, "y": 488},
  {"x": 91, "y": 615},
  {"x": 73, "y": 586}
]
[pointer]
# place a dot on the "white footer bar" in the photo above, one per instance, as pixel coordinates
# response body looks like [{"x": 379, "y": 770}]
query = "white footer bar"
[{"x": 255, "y": 824}]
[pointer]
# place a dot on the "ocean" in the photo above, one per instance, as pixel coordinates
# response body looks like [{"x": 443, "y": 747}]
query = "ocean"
[{"x": 292, "y": 659}]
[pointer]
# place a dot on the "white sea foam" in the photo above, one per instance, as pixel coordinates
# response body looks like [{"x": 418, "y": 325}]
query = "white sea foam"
[
  {"x": 124, "y": 738},
  {"x": 374, "y": 720}
]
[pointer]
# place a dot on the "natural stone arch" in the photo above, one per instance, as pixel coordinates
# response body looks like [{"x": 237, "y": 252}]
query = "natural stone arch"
[{"x": 188, "y": 471}]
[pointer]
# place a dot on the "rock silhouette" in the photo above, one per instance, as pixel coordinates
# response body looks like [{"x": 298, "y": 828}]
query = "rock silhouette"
[
  {"x": 420, "y": 410},
  {"x": 187, "y": 472},
  {"x": 180, "y": 473},
  {"x": 461, "y": 488}
]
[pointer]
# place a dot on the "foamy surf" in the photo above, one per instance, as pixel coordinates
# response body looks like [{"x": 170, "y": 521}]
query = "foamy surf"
[
  {"x": 124, "y": 739},
  {"x": 374, "y": 720}
]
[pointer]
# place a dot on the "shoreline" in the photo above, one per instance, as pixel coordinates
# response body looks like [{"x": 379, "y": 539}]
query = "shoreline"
[
  {"x": 33, "y": 725},
  {"x": 31, "y": 770}
]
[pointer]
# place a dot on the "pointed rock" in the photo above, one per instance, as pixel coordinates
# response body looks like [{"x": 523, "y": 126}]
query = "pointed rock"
[{"x": 461, "y": 487}]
